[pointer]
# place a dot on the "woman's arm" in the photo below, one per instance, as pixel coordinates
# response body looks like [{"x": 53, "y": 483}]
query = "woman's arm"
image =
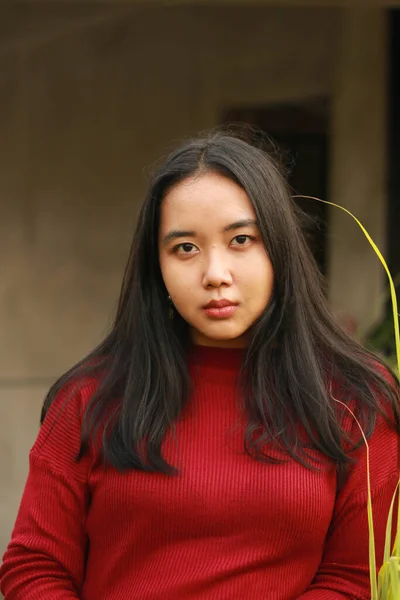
[
  {"x": 344, "y": 570},
  {"x": 45, "y": 559}
]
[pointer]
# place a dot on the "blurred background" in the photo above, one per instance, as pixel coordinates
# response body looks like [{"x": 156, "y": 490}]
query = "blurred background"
[{"x": 91, "y": 94}]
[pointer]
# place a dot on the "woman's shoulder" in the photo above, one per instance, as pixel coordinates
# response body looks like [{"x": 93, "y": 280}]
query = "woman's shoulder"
[
  {"x": 368, "y": 404},
  {"x": 371, "y": 427},
  {"x": 349, "y": 390},
  {"x": 61, "y": 428}
]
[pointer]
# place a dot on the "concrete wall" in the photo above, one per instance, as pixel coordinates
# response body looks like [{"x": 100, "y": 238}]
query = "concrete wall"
[
  {"x": 358, "y": 173},
  {"x": 88, "y": 100}
]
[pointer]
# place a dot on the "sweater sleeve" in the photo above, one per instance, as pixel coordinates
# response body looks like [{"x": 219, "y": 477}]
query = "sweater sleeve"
[
  {"x": 45, "y": 559},
  {"x": 344, "y": 570}
]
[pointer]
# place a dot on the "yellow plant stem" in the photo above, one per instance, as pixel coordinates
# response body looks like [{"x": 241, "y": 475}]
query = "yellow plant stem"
[
  {"x": 379, "y": 254},
  {"x": 387, "y": 587},
  {"x": 372, "y": 557}
]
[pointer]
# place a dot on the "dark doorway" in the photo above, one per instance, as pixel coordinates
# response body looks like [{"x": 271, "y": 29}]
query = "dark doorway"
[{"x": 301, "y": 132}]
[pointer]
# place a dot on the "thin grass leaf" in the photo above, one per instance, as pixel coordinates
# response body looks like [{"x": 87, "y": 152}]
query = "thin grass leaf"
[
  {"x": 396, "y": 544},
  {"x": 388, "y": 585},
  {"x": 379, "y": 254},
  {"x": 384, "y": 582},
  {"x": 388, "y": 536},
  {"x": 372, "y": 556},
  {"x": 394, "y": 586}
]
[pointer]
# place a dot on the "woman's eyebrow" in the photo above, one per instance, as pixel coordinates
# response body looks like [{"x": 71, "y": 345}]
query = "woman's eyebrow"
[
  {"x": 240, "y": 224},
  {"x": 176, "y": 234}
]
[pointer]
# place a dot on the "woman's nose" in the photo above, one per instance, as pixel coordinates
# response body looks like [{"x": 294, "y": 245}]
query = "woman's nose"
[{"x": 217, "y": 271}]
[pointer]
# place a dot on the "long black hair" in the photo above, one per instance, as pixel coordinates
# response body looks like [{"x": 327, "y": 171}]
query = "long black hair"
[{"x": 295, "y": 352}]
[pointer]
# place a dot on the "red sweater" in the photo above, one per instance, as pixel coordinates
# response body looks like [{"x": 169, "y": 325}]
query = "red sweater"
[{"x": 227, "y": 527}]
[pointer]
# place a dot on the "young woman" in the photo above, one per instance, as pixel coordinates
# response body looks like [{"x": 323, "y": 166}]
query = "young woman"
[{"x": 206, "y": 448}]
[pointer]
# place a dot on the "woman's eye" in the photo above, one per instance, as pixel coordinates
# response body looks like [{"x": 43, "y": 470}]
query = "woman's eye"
[
  {"x": 241, "y": 240},
  {"x": 185, "y": 248}
]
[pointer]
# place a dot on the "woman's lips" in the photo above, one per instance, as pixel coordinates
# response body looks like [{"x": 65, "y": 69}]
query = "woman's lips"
[
  {"x": 220, "y": 313},
  {"x": 220, "y": 309}
]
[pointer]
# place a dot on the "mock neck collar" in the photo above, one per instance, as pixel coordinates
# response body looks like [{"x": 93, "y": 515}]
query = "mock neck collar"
[{"x": 212, "y": 356}]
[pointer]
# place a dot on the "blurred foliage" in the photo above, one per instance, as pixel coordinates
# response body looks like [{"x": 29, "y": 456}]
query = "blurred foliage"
[{"x": 381, "y": 338}]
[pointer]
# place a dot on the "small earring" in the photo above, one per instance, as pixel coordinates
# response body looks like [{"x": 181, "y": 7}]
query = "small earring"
[{"x": 170, "y": 309}]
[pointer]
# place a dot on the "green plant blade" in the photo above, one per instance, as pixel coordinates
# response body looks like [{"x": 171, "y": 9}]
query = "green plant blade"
[
  {"x": 388, "y": 536},
  {"x": 387, "y": 587}
]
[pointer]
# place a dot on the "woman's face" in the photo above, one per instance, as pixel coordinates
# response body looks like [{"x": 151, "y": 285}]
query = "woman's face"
[{"x": 212, "y": 259}]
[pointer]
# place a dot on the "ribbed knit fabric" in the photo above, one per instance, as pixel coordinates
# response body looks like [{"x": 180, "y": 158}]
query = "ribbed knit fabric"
[{"x": 226, "y": 527}]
